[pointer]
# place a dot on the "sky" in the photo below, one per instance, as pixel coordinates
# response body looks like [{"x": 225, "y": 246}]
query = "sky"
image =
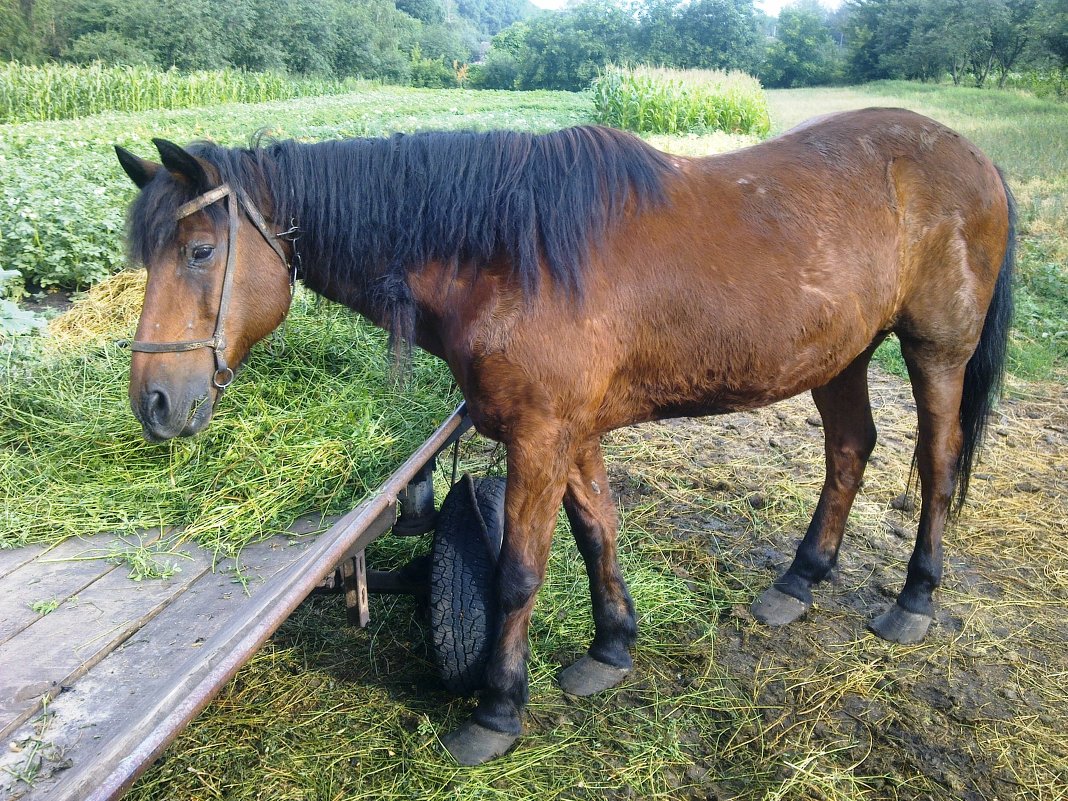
[{"x": 771, "y": 7}]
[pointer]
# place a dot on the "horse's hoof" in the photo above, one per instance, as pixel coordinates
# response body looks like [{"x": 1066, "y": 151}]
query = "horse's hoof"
[
  {"x": 775, "y": 608},
  {"x": 472, "y": 744},
  {"x": 901, "y": 626},
  {"x": 589, "y": 677}
]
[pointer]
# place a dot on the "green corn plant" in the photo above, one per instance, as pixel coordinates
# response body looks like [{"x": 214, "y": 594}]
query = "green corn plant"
[
  {"x": 659, "y": 100},
  {"x": 57, "y": 91}
]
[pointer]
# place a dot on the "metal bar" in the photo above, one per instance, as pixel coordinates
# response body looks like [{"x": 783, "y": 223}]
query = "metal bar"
[
  {"x": 354, "y": 571},
  {"x": 224, "y": 654},
  {"x": 395, "y": 582},
  {"x": 417, "y": 513}
]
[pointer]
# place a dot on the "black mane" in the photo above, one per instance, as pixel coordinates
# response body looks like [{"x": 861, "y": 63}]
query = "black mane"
[{"x": 370, "y": 210}]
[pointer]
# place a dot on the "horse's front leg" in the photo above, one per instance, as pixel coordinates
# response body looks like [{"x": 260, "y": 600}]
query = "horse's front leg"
[
  {"x": 537, "y": 475},
  {"x": 595, "y": 524}
]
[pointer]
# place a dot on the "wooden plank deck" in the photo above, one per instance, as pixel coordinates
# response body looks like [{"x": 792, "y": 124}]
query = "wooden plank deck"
[
  {"x": 73, "y": 682},
  {"x": 93, "y": 691}
]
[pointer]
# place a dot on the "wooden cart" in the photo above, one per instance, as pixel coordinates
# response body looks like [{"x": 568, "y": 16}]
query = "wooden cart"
[{"x": 92, "y": 692}]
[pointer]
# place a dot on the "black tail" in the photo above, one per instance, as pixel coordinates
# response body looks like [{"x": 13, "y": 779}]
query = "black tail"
[{"x": 985, "y": 370}]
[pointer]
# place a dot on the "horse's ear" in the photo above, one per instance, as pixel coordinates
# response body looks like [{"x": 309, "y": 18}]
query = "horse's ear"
[
  {"x": 181, "y": 164},
  {"x": 140, "y": 170}
]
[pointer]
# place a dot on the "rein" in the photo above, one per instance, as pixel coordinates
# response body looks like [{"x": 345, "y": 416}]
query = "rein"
[{"x": 224, "y": 374}]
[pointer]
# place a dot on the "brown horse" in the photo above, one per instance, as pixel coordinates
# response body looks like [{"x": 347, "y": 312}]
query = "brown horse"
[{"x": 580, "y": 281}]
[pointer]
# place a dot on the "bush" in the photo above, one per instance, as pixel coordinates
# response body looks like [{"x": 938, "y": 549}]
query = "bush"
[
  {"x": 431, "y": 73},
  {"x": 1052, "y": 84},
  {"x": 500, "y": 70},
  {"x": 657, "y": 100},
  {"x": 109, "y": 47},
  {"x": 803, "y": 54}
]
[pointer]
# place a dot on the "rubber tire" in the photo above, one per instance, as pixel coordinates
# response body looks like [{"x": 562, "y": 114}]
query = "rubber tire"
[{"x": 463, "y": 567}]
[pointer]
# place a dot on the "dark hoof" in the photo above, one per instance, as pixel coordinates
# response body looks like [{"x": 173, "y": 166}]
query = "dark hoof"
[
  {"x": 776, "y": 608},
  {"x": 589, "y": 677},
  {"x": 472, "y": 744},
  {"x": 901, "y": 626}
]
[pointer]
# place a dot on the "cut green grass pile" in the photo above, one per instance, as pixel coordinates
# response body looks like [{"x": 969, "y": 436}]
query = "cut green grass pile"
[{"x": 311, "y": 428}]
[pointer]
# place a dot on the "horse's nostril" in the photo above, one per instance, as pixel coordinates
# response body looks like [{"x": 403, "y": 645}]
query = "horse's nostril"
[{"x": 156, "y": 407}]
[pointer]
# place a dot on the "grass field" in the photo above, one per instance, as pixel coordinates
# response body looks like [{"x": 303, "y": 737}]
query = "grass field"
[{"x": 719, "y": 707}]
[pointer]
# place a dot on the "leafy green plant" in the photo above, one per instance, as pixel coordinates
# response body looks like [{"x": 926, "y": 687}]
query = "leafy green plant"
[
  {"x": 659, "y": 100},
  {"x": 45, "y": 606},
  {"x": 63, "y": 196},
  {"x": 14, "y": 320}
]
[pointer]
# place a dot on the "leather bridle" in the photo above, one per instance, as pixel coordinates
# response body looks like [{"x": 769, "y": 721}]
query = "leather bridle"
[{"x": 224, "y": 374}]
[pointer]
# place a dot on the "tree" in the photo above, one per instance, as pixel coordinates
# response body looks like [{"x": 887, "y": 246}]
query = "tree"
[
  {"x": 431, "y": 11},
  {"x": 108, "y": 46},
  {"x": 701, "y": 34},
  {"x": 1051, "y": 32},
  {"x": 879, "y": 33},
  {"x": 1011, "y": 35},
  {"x": 500, "y": 68},
  {"x": 925, "y": 40},
  {"x": 16, "y": 32},
  {"x": 374, "y": 40},
  {"x": 803, "y": 53},
  {"x": 565, "y": 51}
]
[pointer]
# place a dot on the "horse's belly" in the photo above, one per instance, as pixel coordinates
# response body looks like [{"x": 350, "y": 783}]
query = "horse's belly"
[{"x": 717, "y": 373}]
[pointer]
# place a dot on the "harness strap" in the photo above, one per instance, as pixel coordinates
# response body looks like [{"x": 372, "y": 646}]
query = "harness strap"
[
  {"x": 169, "y": 347},
  {"x": 198, "y": 203},
  {"x": 224, "y": 374}
]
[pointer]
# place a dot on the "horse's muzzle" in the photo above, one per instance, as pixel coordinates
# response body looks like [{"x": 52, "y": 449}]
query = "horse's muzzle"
[{"x": 164, "y": 417}]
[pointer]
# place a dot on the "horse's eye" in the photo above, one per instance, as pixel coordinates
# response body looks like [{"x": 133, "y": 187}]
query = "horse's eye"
[{"x": 201, "y": 253}]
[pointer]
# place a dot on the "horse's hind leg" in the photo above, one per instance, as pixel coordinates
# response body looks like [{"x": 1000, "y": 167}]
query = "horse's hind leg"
[
  {"x": 594, "y": 523},
  {"x": 849, "y": 437},
  {"x": 937, "y": 387}
]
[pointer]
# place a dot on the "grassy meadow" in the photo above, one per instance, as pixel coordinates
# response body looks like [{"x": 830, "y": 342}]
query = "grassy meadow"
[{"x": 719, "y": 706}]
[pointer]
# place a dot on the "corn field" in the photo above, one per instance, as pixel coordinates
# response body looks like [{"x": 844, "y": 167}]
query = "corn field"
[
  {"x": 59, "y": 91},
  {"x": 660, "y": 100}
]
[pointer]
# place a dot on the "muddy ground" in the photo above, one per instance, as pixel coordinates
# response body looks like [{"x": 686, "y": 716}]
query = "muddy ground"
[{"x": 978, "y": 711}]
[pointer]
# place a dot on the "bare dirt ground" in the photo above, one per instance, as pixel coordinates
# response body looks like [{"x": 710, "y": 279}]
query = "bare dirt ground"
[{"x": 980, "y": 709}]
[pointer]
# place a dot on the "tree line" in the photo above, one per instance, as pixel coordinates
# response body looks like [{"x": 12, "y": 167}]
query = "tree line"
[
  {"x": 971, "y": 41},
  {"x": 426, "y": 42},
  {"x": 407, "y": 41}
]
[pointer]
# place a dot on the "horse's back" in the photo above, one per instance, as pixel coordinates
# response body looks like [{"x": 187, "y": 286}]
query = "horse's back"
[{"x": 771, "y": 268}]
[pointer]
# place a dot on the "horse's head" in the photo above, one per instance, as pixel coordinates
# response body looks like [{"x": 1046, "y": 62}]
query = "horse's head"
[{"x": 218, "y": 282}]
